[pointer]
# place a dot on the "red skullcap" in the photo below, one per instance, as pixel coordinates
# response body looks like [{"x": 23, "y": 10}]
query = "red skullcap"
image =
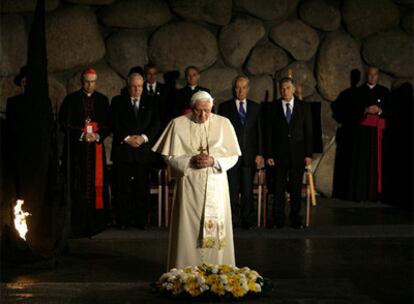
[{"x": 88, "y": 71}]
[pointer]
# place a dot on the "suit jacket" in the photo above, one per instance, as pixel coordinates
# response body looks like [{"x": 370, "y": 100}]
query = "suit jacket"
[
  {"x": 183, "y": 98},
  {"x": 289, "y": 143},
  {"x": 160, "y": 100},
  {"x": 249, "y": 135},
  {"x": 123, "y": 122}
]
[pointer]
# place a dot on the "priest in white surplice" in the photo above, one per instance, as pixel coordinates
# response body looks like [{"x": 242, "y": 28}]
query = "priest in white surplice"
[{"x": 200, "y": 147}]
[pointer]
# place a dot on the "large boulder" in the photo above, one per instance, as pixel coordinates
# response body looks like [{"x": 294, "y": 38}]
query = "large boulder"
[
  {"x": 212, "y": 11},
  {"x": 219, "y": 81},
  {"x": 126, "y": 49},
  {"x": 109, "y": 83},
  {"x": 299, "y": 39},
  {"x": 365, "y": 17},
  {"x": 266, "y": 59},
  {"x": 268, "y": 10},
  {"x": 261, "y": 88},
  {"x": 338, "y": 56},
  {"x": 320, "y": 14},
  {"x": 135, "y": 13},
  {"x": 180, "y": 44},
  {"x": 391, "y": 51},
  {"x": 73, "y": 38},
  {"x": 238, "y": 38},
  {"x": 302, "y": 76},
  {"x": 328, "y": 123},
  {"x": 13, "y": 44},
  {"x": 20, "y": 6},
  {"x": 324, "y": 171}
]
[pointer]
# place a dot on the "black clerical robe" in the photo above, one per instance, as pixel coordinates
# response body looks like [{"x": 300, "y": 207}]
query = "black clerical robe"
[
  {"x": 85, "y": 162},
  {"x": 366, "y": 168},
  {"x": 346, "y": 113}
]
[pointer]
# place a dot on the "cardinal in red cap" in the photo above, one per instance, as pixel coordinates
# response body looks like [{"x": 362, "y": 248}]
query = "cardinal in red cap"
[{"x": 83, "y": 117}]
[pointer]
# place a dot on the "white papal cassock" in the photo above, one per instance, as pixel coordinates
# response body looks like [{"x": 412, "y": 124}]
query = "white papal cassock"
[{"x": 201, "y": 226}]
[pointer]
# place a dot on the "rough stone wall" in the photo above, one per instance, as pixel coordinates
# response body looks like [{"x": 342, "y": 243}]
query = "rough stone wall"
[{"x": 320, "y": 41}]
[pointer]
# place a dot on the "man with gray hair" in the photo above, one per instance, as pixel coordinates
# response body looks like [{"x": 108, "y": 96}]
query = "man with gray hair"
[
  {"x": 135, "y": 123},
  {"x": 200, "y": 147},
  {"x": 245, "y": 116}
]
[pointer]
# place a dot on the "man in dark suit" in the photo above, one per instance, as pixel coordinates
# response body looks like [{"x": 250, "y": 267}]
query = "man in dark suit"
[
  {"x": 192, "y": 77},
  {"x": 288, "y": 151},
  {"x": 135, "y": 125},
  {"x": 157, "y": 93},
  {"x": 245, "y": 116}
]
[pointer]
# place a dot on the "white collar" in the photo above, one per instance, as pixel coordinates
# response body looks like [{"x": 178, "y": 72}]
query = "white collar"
[
  {"x": 192, "y": 87},
  {"x": 371, "y": 86},
  {"x": 239, "y": 101},
  {"x": 291, "y": 102},
  {"x": 153, "y": 85},
  {"x": 132, "y": 99}
]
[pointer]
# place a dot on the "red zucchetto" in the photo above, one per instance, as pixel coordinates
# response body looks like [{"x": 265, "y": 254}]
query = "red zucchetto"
[{"x": 88, "y": 71}]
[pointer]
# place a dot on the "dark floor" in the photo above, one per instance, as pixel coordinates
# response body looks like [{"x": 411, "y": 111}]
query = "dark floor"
[{"x": 352, "y": 253}]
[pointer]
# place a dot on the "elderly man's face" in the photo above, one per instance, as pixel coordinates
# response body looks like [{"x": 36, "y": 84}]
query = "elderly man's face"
[
  {"x": 372, "y": 76},
  {"x": 151, "y": 75},
  {"x": 241, "y": 88},
  {"x": 202, "y": 110},
  {"x": 192, "y": 77},
  {"x": 135, "y": 87},
  {"x": 287, "y": 90},
  {"x": 89, "y": 83}
]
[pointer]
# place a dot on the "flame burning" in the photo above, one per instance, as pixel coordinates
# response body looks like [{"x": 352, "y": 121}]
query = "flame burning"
[{"x": 20, "y": 219}]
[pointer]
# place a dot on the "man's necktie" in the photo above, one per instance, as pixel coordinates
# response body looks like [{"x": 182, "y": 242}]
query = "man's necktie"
[
  {"x": 136, "y": 106},
  {"x": 288, "y": 112},
  {"x": 242, "y": 113},
  {"x": 151, "y": 91}
]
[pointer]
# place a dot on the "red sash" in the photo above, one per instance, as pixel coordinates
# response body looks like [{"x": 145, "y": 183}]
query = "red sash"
[
  {"x": 99, "y": 170},
  {"x": 373, "y": 120}
]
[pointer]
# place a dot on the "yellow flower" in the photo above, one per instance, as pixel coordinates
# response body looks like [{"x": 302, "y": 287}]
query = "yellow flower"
[
  {"x": 225, "y": 269},
  {"x": 213, "y": 279},
  {"x": 237, "y": 291},
  {"x": 252, "y": 286},
  {"x": 218, "y": 289}
]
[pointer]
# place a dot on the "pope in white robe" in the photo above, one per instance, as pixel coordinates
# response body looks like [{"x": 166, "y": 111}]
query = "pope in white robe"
[{"x": 200, "y": 147}]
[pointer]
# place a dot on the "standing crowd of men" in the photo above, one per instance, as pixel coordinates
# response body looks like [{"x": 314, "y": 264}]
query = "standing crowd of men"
[{"x": 277, "y": 136}]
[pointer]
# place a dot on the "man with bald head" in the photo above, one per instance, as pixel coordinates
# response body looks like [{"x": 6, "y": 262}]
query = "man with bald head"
[
  {"x": 135, "y": 123},
  {"x": 245, "y": 116},
  {"x": 83, "y": 117}
]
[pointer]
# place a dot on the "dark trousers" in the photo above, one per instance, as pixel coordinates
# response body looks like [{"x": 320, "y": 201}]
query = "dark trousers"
[
  {"x": 288, "y": 177},
  {"x": 241, "y": 182},
  {"x": 133, "y": 193}
]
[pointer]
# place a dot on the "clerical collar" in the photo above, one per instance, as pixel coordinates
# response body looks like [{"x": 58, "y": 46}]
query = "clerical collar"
[
  {"x": 192, "y": 87},
  {"x": 87, "y": 94},
  {"x": 371, "y": 86}
]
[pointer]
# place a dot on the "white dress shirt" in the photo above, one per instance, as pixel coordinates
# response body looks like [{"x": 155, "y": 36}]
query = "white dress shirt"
[
  {"x": 136, "y": 104},
  {"x": 153, "y": 85},
  {"x": 244, "y": 105}
]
